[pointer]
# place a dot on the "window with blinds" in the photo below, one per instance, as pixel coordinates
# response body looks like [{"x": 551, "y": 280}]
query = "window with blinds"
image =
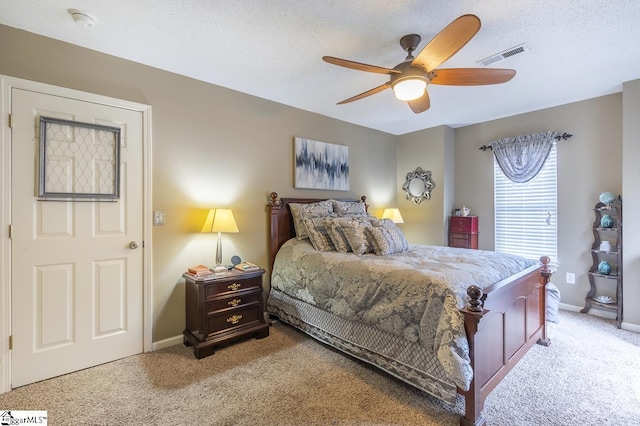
[{"x": 526, "y": 213}]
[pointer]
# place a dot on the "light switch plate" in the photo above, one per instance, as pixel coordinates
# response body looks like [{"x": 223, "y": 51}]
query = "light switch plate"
[{"x": 158, "y": 218}]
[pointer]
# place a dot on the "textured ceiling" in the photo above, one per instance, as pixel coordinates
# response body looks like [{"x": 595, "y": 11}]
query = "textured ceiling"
[{"x": 273, "y": 49}]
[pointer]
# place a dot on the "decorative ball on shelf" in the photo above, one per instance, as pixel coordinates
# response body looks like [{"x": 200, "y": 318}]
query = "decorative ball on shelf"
[
  {"x": 606, "y": 221},
  {"x": 604, "y": 267},
  {"x": 607, "y": 198}
]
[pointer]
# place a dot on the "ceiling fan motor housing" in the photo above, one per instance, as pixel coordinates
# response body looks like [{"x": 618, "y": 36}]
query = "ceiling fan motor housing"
[{"x": 408, "y": 72}]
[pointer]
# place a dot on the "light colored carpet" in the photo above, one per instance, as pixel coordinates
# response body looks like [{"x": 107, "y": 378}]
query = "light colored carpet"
[{"x": 590, "y": 375}]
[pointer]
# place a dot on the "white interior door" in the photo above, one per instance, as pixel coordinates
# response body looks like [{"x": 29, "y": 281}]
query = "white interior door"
[{"x": 77, "y": 281}]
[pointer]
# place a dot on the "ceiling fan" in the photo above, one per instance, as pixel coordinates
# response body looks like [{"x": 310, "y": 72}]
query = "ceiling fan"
[{"x": 409, "y": 79}]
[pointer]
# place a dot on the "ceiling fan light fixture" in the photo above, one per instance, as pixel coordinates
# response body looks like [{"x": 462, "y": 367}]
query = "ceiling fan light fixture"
[{"x": 409, "y": 89}]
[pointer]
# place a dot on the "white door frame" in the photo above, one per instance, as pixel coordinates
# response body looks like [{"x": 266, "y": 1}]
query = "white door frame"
[{"x": 6, "y": 84}]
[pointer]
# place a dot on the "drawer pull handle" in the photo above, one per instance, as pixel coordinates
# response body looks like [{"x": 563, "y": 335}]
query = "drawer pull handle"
[
  {"x": 234, "y": 302},
  {"x": 234, "y": 286},
  {"x": 234, "y": 319}
]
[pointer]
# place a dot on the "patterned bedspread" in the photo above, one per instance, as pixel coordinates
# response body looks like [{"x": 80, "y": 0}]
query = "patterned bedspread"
[{"x": 416, "y": 295}]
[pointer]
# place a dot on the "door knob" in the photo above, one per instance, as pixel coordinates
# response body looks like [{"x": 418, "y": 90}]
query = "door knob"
[{"x": 133, "y": 245}]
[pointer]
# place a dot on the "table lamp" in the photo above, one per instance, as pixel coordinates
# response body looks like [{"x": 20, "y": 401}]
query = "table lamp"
[
  {"x": 393, "y": 214},
  {"x": 220, "y": 220}
]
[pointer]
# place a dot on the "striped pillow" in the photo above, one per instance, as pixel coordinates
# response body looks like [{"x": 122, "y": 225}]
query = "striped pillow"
[{"x": 387, "y": 241}]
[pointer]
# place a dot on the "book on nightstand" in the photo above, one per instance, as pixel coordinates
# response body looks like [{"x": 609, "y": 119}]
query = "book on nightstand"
[
  {"x": 247, "y": 266},
  {"x": 199, "y": 271}
]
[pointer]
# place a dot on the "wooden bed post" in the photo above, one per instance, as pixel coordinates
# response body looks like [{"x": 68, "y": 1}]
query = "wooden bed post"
[
  {"x": 546, "y": 273},
  {"x": 274, "y": 227},
  {"x": 473, "y": 398}
]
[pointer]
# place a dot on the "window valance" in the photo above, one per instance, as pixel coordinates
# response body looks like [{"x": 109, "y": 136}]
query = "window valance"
[{"x": 520, "y": 158}]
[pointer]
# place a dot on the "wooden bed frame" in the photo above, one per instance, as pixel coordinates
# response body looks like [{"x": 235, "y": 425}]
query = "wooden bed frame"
[{"x": 502, "y": 321}]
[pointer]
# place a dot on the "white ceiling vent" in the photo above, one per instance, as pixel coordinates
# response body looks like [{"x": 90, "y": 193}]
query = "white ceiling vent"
[{"x": 503, "y": 55}]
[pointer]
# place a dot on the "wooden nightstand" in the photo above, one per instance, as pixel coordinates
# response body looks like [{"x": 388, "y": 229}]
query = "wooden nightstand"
[
  {"x": 463, "y": 231},
  {"x": 222, "y": 309}
]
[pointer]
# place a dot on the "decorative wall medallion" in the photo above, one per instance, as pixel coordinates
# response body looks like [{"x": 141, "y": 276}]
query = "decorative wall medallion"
[{"x": 418, "y": 185}]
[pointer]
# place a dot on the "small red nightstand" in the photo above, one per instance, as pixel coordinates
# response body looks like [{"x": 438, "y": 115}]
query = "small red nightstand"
[{"x": 463, "y": 231}]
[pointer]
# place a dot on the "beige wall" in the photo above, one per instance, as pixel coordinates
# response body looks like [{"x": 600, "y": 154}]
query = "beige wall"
[
  {"x": 631, "y": 200},
  {"x": 431, "y": 149},
  {"x": 588, "y": 164},
  {"x": 212, "y": 147}
]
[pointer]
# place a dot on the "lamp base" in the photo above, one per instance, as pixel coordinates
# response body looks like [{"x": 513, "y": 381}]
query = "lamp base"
[{"x": 219, "y": 269}]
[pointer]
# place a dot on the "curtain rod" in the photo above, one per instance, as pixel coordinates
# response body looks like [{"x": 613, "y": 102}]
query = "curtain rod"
[{"x": 563, "y": 136}]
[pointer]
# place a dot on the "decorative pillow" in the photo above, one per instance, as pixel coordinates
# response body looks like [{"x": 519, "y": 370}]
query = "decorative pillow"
[
  {"x": 349, "y": 208},
  {"x": 388, "y": 224},
  {"x": 336, "y": 233},
  {"x": 387, "y": 241},
  {"x": 337, "y": 236},
  {"x": 300, "y": 211},
  {"x": 354, "y": 232},
  {"x": 376, "y": 222},
  {"x": 317, "y": 229}
]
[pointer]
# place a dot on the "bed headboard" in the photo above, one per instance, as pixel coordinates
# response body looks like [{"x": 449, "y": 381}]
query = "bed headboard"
[{"x": 281, "y": 222}]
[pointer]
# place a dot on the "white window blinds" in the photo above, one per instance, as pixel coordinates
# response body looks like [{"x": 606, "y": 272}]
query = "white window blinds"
[{"x": 525, "y": 213}]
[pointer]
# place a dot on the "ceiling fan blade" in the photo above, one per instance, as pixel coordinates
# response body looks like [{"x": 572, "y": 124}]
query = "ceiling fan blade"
[
  {"x": 470, "y": 76},
  {"x": 359, "y": 66},
  {"x": 421, "y": 104},
  {"x": 365, "y": 94},
  {"x": 447, "y": 42}
]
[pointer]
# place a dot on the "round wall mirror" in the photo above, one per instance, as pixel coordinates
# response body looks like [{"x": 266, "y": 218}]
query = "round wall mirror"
[{"x": 418, "y": 185}]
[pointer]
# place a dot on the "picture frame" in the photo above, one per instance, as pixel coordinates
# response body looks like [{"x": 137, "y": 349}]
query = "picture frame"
[
  {"x": 78, "y": 160},
  {"x": 457, "y": 212},
  {"x": 321, "y": 165}
]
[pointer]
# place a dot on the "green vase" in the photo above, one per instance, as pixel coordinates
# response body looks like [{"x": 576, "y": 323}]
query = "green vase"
[{"x": 606, "y": 221}]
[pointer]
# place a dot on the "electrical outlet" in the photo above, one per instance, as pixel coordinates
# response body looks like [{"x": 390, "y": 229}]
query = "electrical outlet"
[
  {"x": 571, "y": 278},
  {"x": 158, "y": 218}
]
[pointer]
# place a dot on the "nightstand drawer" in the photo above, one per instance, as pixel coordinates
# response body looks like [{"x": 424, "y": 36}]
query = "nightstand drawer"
[
  {"x": 463, "y": 224},
  {"x": 226, "y": 286},
  {"x": 233, "y": 318},
  {"x": 237, "y": 299},
  {"x": 463, "y": 240},
  {"x": 460, "y": 240}
]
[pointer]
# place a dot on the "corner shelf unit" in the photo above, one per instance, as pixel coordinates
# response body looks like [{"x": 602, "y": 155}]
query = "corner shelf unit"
[{"x": 602, "y": 284}]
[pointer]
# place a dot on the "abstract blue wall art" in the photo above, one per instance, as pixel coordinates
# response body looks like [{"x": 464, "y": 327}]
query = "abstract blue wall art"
[{"x": 321, "y": 165}]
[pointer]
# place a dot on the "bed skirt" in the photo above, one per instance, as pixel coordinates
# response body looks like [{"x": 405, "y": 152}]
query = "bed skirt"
[{"x": 408, "y": 361}]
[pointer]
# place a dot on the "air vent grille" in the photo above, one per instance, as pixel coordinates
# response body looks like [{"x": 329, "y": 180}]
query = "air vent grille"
[{"x": 503, "y": 55}]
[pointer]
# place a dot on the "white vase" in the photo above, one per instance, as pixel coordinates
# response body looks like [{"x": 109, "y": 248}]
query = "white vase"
[
  {"x": 605, "y": 246},
  {"x": 464, "y": 211}
]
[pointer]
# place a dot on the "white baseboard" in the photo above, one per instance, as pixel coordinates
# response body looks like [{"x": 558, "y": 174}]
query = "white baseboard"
[
  {"x": 171, "y": 341},
  {"x": 598, "y": 313}
]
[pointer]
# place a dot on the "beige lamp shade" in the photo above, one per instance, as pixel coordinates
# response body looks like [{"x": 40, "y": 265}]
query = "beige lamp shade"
[
  {"x": 220, "y": 220},
  {"x": 393, "y": 214}
]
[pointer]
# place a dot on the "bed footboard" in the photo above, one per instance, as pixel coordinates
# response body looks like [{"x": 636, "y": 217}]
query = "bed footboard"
[{"x": 502, "y": 324}]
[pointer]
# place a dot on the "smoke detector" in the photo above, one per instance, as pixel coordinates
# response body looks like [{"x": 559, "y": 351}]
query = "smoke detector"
[
  {"x": 504, "y": 55},
  {"x": 82, "y": 18}
]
